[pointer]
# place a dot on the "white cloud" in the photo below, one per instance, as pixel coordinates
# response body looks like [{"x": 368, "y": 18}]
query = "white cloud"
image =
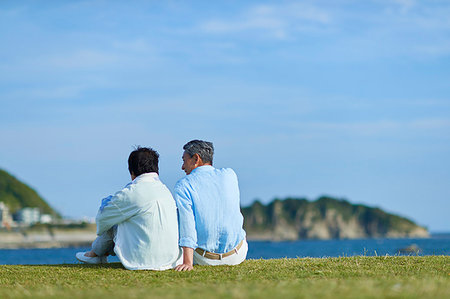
[
  {"x": 377, "y": 29},
  {"x": 137, "y": 45},
  {"x": 372, "y": 128},
  {"x": 436, "y": 49},
  {"x": 277, "y": 21},
  {"x": 48, "y": 93},
  {"x": 405, "y": 5},
  {"x": 81, "y": 59},
  {"x": 430, "y": 124}
]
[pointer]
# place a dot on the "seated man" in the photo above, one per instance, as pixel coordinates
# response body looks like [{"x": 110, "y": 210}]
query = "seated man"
[
  {"x": 210, "y": 218},
  {"x": 138, "y": 223}
]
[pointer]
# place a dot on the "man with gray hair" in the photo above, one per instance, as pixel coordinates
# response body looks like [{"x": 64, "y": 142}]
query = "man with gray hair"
[{"x": 210, "y": 219}]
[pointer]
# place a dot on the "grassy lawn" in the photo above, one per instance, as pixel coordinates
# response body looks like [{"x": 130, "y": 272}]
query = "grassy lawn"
[{"x": 348, "y": 277}]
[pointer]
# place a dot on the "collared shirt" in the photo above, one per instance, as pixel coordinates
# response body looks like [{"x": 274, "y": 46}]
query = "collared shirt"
[
  {"x": 147, "y": 227},
  {"x": 209, "y": 209}
]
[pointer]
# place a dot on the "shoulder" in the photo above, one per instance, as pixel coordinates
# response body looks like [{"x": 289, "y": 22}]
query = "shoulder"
[
  {"x": 141, "y": 184},
  {"x": 229, "y": 172},
  {"x": 149, "y": 187},
  {"x": 125, "y": 192},
  {"x": 182, "y": 185}
]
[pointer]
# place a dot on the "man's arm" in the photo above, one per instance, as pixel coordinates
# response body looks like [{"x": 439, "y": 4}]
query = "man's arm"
[
  {"x": 188, "y": 260},
  {"x": 186, "y": 224},
  {"x": 114, "y": 210}
]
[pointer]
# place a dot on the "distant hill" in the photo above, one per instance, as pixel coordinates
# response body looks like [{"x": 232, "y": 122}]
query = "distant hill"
[
  {"x": 17, "y": 195},
  {"x": 325, "y": 218}
]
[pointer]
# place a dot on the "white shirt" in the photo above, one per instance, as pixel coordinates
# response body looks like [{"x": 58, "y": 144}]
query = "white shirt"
[{"x": 147, "y": 227}]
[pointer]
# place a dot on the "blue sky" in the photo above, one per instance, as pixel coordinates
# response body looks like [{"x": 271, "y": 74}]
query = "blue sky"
[{"x": 302, "y": 98}]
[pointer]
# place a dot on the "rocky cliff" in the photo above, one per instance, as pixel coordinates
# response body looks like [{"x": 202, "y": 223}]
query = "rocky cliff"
[{"x": 325, "y": 218}]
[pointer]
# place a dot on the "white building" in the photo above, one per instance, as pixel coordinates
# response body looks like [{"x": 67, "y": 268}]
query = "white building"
[
  {"x": 46, "y": 218},
  {"x": 5, "y": 217},
  {"x": 28, "y": 216}
]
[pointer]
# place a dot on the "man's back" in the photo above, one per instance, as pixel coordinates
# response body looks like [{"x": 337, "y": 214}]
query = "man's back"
[
  {"x": 147, "y": 234},
  {"x": 209, "y": 204}
]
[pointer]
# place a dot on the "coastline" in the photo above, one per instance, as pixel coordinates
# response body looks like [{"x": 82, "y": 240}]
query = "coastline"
[
  {"x": 63, "y": 238},
  {"x": 47, "y": 238},
  {"x": 46, "y": 245}
]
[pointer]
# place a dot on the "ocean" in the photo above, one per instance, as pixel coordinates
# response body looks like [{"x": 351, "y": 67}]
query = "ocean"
[{"x": 438, "y": 244}]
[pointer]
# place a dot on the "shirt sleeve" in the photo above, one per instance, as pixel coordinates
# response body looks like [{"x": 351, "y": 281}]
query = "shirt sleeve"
[
  {"x": 188, "y": 233},
  {"x": 114, "y": 209}
]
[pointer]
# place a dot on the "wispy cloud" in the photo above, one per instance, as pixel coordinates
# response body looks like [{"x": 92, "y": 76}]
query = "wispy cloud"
[
  {"x": 81, "y": 59},
  {"x": 377, "y": 29},
  {"x": 274, "y": 21},
  {"x": 405, "y": 5},
  {"x": 374, "y": 128},
  {"x": 58, "y": 92}
]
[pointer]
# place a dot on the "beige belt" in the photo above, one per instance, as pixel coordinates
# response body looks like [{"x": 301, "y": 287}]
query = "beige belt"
[{"x": 218, "y": 256}]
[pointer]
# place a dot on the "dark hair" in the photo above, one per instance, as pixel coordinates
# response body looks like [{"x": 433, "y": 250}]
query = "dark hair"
[
  {"x": 143, "y": 160},
  {"x": 204, "y": 149}
]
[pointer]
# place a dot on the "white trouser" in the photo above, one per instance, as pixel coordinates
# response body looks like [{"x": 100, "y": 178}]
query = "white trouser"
[{"x": 233, "y": 259}]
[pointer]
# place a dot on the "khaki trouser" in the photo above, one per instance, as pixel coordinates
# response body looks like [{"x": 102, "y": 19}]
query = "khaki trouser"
[{"x": 233, "y": 259}]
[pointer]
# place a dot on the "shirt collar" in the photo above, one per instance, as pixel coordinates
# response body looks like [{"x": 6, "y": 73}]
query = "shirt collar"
[
  {"x": 203, "y": 168},
  {"x": 149, "y": 176}
]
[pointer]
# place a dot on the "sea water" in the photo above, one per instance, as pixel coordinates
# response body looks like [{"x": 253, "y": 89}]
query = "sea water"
[{"x": 438, "y": 244}]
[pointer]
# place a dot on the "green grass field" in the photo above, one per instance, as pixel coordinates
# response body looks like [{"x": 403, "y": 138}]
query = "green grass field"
[{"x": 347, "y": 277}]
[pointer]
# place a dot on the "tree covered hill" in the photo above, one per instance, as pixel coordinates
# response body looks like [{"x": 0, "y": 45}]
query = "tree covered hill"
[
  {"x": 325, "y": 218},
  {"x": 16, "y": 195}
]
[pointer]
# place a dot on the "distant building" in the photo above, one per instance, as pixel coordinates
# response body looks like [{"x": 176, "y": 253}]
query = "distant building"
[
  {"x": 46, "y": 218},
  {"x": 5, "y": 217},
  {"x": 28, "y": 216},
  {"x": 88, "y": 219}
]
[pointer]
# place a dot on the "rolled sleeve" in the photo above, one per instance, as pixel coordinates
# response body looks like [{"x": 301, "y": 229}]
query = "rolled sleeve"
[{"x": 188, "y": 233}]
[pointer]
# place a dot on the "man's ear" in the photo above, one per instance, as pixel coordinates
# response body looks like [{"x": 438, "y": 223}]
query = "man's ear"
[{"x": 197, "y": 158}]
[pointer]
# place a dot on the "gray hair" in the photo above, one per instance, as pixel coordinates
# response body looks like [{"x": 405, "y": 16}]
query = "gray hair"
[{"x": 204, "y": 149}]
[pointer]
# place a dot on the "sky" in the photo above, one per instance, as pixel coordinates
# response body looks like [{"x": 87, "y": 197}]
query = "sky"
[{"x": 344, "y": 98}]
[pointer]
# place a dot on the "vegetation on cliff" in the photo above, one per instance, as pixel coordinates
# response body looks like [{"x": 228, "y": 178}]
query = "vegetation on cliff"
[
  {"x": 16, "y": 195},
  {"x": 325, "y": 218}
]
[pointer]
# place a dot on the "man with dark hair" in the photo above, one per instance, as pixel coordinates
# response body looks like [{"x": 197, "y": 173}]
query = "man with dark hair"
[
  {"x": 210, "y": 219},
  {"x": 143, "y": 160},
  {"x": 138, "y": 223}
]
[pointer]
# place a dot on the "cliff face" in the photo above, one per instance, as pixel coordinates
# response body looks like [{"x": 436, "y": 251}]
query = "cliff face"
[{"x": 325, "y": 218}]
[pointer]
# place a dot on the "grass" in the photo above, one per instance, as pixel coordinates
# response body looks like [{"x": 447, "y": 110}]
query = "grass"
[{"x": 346, "y": 277}]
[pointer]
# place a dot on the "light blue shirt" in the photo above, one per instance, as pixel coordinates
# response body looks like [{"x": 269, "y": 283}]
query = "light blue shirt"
[{"x": 209, "y": 209}]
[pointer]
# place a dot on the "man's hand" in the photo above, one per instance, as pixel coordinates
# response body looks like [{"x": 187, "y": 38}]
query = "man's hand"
[
  {"x": 184, "y": 267},
  {"x": 188, "y": 260}
]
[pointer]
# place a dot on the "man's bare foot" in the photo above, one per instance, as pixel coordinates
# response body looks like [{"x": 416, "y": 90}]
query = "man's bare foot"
[{"x": 90, "y": 254}]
